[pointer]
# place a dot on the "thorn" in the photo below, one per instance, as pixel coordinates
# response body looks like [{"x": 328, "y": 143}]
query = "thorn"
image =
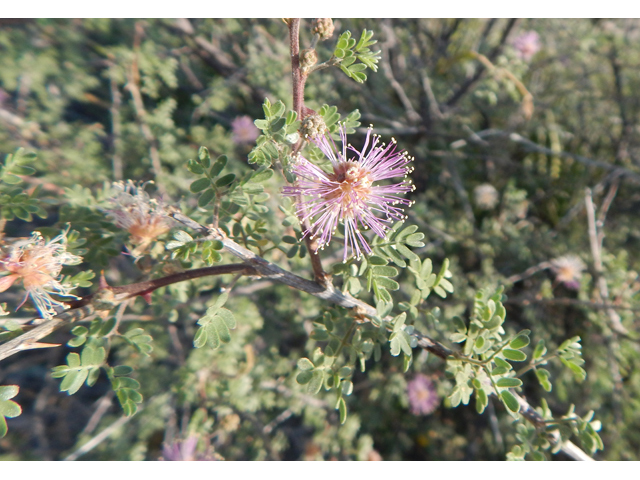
[
  {"x": 103, "y": 281},
  {"x": 32, "y": 346}
]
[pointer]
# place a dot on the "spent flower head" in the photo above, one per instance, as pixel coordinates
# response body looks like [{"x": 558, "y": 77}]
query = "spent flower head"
[
  {"x": 347, "y": 194},
  {"x": 568, "y": 270},
  {"x": 423, "y": 398},
  {"x": 485, "y": 196},
  {"x": 133, "y": 210},
  {"x": 37, "y": 264}
]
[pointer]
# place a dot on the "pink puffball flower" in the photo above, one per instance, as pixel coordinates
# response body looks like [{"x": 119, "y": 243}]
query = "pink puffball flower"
[
  {"x": 185, "y": 451},
  {"x": 527, "y": 45},
  {"x": 244, "y": 130},
  {"x": 347, "y": 194},
  {"x": 37, "y": 264},
  {"x": 423, "y": 398}
]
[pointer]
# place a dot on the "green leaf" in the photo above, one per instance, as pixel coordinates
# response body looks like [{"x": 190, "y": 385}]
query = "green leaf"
[
  {"x": 8, "y": 408},
  {"x": 342, "y": 407},
  {"x": 304, "y": 377},
  {"x": 376, "y": 260},
  {"x": 405, "y": 252},
  {"x": 199, "y": 185},
  {"x": 400, "y": 341},
  {"x": 502, "y": 363},
  {"x": 262, "y": 175},
  {"x": 481, "y": 400},
  {"x": 509, "y": 382},
  {"x": 384, "y": 271},
  {"x": 218, "y": 166},
  {"x": 510, "y": 401},
  {"x": 122, "y": 370},
  {"x": 519, "y": 342},
  {"x": 540, "y": 350},
  {"x": 543, "y": 378},
  {"x": 215, "y": 326},
  {"x": 203, "y": 156},
  {"x": 226, "y": 180},
  {"x": 315, "y": 384},
  {"x": 497, "y": 371},
  {"x": 206, "y": 198},
  {"x": 514, "y": 355},
  {"x": 305, "y": 364},
  {"x": 387, "y": 283}
]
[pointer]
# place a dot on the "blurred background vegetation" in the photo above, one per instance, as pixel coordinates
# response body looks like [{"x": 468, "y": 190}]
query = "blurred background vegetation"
[{"x": 510, "y": 121}]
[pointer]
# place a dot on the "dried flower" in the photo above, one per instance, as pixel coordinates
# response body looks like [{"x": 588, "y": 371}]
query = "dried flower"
[
  {"x": 347, "y": 194},
  {"x": 244, "y": 130},
  {"x": 485, "y": 196},
  {"x": 568, "y": 270},
  {"x": 133, "y": 210},
  {"x": 526, "y": 45},
  {"x": 423, "y": 398},
  {"x": 37, "y": 264}
]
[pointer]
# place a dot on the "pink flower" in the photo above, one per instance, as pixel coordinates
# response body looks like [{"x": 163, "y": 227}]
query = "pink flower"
[
  {"x": 244, "y": 130},
  {"x": 347, "y": 195},
  {"x": 38, "y": 265},
  {"x": 423, "y": 398},
  {"x": 185, "y": 451},
  {"x": 526, "y": 45}
]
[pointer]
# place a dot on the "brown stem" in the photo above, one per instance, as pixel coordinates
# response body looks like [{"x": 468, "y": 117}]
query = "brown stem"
[
  {"x": 144, "y": 288},
  {"x": 299, "y": 79},
  {"x": 93, "y": 304}
]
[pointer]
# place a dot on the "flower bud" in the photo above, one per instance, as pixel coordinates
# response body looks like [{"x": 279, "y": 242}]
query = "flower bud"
[
  {"x": 323, "y": 27},
  {"x": 313, "y": 126},
  {"x": 308, "y": 58}
]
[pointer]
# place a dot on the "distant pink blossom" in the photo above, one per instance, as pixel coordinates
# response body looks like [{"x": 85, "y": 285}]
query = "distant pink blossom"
[
  {"x": 185, "y": 451},
  {"x": 244, "y": 130},
  {"x": 423, "y": 398},
  {"x": 526, "y": 45}
]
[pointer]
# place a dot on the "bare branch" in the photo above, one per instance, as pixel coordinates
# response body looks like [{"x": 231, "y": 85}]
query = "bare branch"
[{"x": 106, "y": 299}]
